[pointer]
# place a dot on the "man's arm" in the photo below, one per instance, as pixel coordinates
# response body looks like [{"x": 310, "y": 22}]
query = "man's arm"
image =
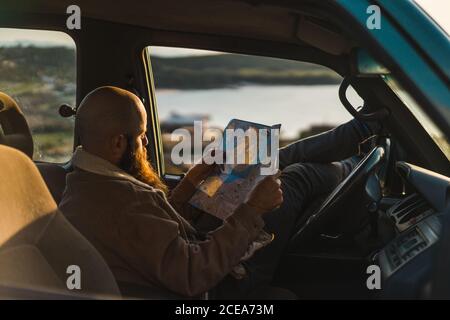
[
  {"x": 334, "y": 145},
  {"x": 153, "y": 242},
  {"x": 184, "y": 191},
  {"x": 179, "y": 198}
]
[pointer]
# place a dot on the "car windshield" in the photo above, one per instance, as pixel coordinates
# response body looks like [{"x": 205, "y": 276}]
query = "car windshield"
[
  {"x": 432, "y": 129},
  {"x": 438, "y": 10}
]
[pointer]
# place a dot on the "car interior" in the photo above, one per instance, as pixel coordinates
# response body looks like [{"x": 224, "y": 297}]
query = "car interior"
[{"x": 390, "y": 210}]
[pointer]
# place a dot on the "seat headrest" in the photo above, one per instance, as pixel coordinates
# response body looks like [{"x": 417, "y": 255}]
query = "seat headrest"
[
  {"x": 14, "y": 130},
  {"x": 24, "y": 197}
]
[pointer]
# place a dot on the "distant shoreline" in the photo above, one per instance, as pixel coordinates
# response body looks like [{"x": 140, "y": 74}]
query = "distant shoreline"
[
  {"x": 243, "y": 86},
  {"x": 189, "y": 84},
  {"x": 18, "y": 63},
  {"x": 233, "y": 71}
]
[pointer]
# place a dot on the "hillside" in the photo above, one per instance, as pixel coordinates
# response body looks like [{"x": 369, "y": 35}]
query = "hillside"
[
  {"x": 226, "y": 70},
  {"x": 24, "y": 63},
  {"x": 42, "y": 78},
  {"x": 27, "y": 63}
]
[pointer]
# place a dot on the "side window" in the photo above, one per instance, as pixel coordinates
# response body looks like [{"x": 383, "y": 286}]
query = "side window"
[
  {"x": 216, "y": 87},
  {"x": 38, "y": 70}
]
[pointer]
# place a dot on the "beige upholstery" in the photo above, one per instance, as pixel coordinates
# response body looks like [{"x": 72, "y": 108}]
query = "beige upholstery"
[
  {"x": 37, "y": 243},
  {"x": 14, "y": 130}
]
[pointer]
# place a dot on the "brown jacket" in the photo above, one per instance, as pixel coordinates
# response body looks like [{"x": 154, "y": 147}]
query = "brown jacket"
[{"x": 143, "y": 238}]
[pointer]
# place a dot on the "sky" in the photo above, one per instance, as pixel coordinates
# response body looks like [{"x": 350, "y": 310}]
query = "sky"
[{"x": 438, "y": 9}]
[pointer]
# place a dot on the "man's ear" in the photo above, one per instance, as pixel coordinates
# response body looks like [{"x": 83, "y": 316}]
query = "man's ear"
[{"x": 119, "y": 144}]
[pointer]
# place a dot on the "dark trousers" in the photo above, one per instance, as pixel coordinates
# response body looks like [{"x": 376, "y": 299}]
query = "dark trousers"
[{"x": 310, "y": 167}]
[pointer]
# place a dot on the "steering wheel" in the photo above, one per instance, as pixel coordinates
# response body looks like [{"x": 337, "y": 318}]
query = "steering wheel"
[{"x": 330, "y": 207}]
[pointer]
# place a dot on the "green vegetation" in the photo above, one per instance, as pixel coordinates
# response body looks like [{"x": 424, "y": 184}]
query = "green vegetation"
[
  {"x": 224, "y": 70},
  {"x": 43, "y": 78}
]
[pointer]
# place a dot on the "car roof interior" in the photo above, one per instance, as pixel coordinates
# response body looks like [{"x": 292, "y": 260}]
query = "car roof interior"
[{"x": 248, "y": 19}]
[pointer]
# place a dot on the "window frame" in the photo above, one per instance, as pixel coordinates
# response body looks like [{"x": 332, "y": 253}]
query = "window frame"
[
  {"x": 75, "y": 44},
  {"x": 153, "y": 122}
]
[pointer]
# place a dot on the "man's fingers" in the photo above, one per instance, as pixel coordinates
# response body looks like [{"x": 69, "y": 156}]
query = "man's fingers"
[
  {"x": 277, "y": 174},
  {"x": 200, "y": 172},
  {"x": 278, "y": 201},
  {"x": 279, "y": 193},
  {"x": 280, "y": 198},
  {"x": 219, "y": 154},
  {"x": 273, "y": 183}
]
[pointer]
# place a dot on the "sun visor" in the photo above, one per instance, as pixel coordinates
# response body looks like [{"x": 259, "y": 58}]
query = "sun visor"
[{"x": 321, "y": 37}]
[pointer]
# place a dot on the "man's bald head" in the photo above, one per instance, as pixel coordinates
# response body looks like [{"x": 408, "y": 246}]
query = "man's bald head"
[
  {"x": 112, "y": 125},
  {"x": 106, "y": 112}
]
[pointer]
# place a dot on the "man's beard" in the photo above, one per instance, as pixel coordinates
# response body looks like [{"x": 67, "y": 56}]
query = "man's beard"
[{"x": 136, "y": 164}]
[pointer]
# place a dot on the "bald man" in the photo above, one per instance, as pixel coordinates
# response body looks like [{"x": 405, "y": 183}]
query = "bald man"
[
  {"x": 119, "y": 203},
  {"x": 148, "y": 235}
]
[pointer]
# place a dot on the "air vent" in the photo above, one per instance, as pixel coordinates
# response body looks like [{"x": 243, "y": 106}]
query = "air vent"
[{"x": 409, "y": 211}]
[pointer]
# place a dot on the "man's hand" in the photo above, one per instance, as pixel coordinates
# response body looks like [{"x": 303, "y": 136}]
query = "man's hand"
[
  {"x": 267, "y": 195},
  {"x": 187, "y": 187},
  {"x": 199, "y": 172}
]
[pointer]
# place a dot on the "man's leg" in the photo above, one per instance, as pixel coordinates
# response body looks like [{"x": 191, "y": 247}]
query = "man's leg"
[
  {"x": 334, "y": 145},
  {"x": 300, "y": 184}
]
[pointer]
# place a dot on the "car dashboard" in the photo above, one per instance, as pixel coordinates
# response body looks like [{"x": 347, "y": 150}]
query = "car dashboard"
[{"x": 406, "y": 261}]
